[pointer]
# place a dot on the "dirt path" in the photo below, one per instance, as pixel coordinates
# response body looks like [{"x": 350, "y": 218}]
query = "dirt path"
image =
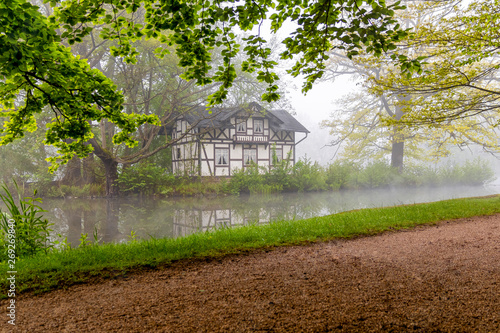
[{"x": 444, "y": 278}]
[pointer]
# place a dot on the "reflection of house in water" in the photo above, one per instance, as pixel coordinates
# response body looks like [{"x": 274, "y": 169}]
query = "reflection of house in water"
[
  {"x": 217, "y": 141},
  {"x": 194, "y": 220}
]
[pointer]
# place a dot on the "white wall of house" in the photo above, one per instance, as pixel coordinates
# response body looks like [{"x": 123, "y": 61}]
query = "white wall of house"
[{"x": 220, "y": 152}]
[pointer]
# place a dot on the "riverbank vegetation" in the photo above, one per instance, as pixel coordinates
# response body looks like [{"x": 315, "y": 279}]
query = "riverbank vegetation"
[
  {"x": 305, "y": 176},
  {"x": 61, "y": 266}
]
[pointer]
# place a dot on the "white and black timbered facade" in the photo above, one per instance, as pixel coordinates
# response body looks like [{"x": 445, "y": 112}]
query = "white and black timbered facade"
[{"x": 216, "y": 143}]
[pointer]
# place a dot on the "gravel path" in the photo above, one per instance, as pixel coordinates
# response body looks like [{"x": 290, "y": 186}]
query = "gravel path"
[{"x": 442, "y": 278}]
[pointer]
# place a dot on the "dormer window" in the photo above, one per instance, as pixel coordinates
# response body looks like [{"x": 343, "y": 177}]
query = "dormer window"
[
  {"x": 258, "y": 126},
  {"x": 241, "y": 125}
]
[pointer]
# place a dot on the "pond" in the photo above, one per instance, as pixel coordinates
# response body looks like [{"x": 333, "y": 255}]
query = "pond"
[{"x": 114, "y": 220}]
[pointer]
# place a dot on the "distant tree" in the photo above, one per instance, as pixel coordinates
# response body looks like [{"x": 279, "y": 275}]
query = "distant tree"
[
  {"x": 360, "y": 135},
  {"x": 22, "y": 160},
  {"x": 458, "y": 89},
  {"x": 38, "y": 70},
  {"x": 372, "y": 123},
  {"x": 152, "y": 87},
  {"x": 357, "y": 124}
]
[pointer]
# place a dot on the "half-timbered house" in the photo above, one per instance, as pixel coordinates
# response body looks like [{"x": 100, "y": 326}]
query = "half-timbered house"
[{"x": 215, "y": 142}]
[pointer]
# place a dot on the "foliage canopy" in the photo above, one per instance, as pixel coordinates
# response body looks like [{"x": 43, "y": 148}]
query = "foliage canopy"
[
  {"x": 38, "y": 70},
  {"x": 460, "y": 80}
]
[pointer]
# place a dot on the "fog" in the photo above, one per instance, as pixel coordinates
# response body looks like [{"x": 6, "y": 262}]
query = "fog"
[
  {"x": 322, "y": 100},
  {"x": 313, "y": 108}
]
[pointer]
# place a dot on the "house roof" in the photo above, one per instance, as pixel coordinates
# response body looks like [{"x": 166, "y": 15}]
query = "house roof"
[
  {"x": 220, "y": 117},
  {"x": 289, "y": 122},
  {"x": 213, "y": 118}
]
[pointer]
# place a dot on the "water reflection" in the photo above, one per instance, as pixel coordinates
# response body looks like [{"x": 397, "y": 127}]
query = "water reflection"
[
  {"x": 74, "y": 217},
  {"x": 113, "y": 220}
]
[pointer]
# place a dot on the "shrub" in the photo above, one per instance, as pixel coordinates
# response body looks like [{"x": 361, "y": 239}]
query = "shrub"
[
  {"x": 341, "y": 175},
  {"x": 243, "y": 179},
  {"x": 476, "y": 172},
  {"x": 307, "y": 176},
  {"x": 279, "y": 175},
  {"x": 265, "y": 188},
  {"x": 144, "y": 179},
  {"x": 377, "y": 174}
]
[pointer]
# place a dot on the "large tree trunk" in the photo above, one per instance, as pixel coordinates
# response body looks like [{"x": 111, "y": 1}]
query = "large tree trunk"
[
  {"x": 88, "y": 170},
  {"x": 397, "y": 153},
  {"x": 73, "y": 172},
  {"x": 110, "y": 168},
  {"x": 79, "y": 171},
  {"x": 398, "y": 137}
]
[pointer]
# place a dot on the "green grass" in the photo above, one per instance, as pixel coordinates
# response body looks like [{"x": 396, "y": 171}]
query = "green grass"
[{"x": 59, "y": 269}]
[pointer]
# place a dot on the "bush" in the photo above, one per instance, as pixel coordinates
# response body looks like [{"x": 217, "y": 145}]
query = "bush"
[
  {"x": 243, "y": 179},
  {"x": 65, "y": 191},
  {"x": 265, "y": 188},
  {"x": 150, "y": 179},
  {"x": 307, "y": 176},
  {"x": 341, "y": 175},
  {"x": 477, "y": 172},
  {"x": 144, "y": 179},
  {"x": 377, "y": 174},
  {"x": 279, "y": 176}
]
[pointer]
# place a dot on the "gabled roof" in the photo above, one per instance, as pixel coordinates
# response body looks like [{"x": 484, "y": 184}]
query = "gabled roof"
[
  {"x": 213, "y": 118},
  {"x": 202, "y": 117},
  {"x": 289, "y": 123}
]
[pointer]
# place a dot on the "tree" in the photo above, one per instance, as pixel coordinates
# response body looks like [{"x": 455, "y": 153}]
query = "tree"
[
  {"x": 37, "y": 70},
  {"x": 17, "y": 161},
  {"x": 358, "y": 123},
  {"x": 151, "y": 86},
  {"x": 373, "y": 123},
  {"x": 24, "y": 160},
  {"x": 458, "y": 90},
  {"x": 356, "y": 127}
]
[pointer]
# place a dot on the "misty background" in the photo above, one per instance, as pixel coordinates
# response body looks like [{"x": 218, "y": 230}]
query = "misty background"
[{"x": 318, "y": 104}]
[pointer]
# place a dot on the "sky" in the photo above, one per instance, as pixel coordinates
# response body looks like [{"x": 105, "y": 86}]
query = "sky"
[{"x": 313, "y": 108}]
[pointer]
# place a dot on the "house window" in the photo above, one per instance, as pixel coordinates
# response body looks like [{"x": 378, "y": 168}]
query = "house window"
[
  {"x": 276, "y": 155},
  {"x": 241, "y": 125},
  {"x": 221, "y": 156},
  {"x": 178, "y": 153},
  {"x": 249, "y": 156},
  {"x": 258, "y": 126}
]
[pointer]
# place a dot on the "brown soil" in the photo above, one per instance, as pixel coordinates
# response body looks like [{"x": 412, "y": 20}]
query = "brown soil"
[{"x": 443, "y": 278}]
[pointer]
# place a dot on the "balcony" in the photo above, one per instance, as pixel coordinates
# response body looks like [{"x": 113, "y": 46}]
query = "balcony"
[{"x": 244, "y": 138}]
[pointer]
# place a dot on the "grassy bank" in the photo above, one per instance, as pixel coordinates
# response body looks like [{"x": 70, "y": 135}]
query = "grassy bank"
[{"x": 57, "y": 269}]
